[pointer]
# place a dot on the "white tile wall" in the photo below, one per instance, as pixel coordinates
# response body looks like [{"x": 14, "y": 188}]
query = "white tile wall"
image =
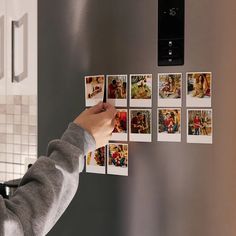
[{"x": 18, "y": 135}]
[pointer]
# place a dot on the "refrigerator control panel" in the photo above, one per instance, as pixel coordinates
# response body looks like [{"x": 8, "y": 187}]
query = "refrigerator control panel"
[{"x": 170, "y": 32}]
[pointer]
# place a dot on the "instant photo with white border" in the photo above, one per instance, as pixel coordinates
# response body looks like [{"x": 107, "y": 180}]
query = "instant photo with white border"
[
  {"x": 121, "y": 136},
  {"x": 204, "y": 139},
  {"x": 165, "y": 136},
  {"x": 117, "y": 170},
  {"x": 140, "y": 102},
  {"x": 117, "y": 102},
  {"x": 196, "y": 101},
  {"x": 94, "y": 101},
  {"x": 96, "y": 168},
  {"x": 140, "y": 137},
  {"x": 169, "y": 102}
]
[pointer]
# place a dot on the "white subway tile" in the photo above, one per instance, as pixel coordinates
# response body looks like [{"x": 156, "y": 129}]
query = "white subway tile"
[
  {"x": 9, "y": 148},
  {"x": 25, "y": 100},
  {"x": 3, "y": 128},
  {"x": 3, "y": 99},
  {"x": 25, "y": 139},
  {"x": 2, "y": 147},
  {"x": 17, "y": 139},
  {"x": 10, "y": 99},
  {"x": 9, "y": 157},
  {"x": 9, "y": 138},
  {"x": 9, "y": 119},
  {"x": 2, "y": 118}
]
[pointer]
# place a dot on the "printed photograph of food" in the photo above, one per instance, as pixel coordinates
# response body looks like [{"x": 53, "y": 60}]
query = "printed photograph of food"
[
  {"x": 94, "y": 89},
  {"x": 141, "y": 90}
]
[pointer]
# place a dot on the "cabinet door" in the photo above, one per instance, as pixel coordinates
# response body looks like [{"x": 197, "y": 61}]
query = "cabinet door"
[
  {"x": 21, "y": 47},
  {"x": 2, "y": 50},
  {"x": 2, "y": 91}
]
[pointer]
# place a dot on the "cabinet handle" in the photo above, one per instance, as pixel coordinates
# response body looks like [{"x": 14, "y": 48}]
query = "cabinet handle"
[
  {"x": 23, "y": 21},
  {"x": 2, "y": 47}
]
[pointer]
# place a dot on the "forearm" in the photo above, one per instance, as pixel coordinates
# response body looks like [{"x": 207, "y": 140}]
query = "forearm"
[{"x": 48, "y": 187}]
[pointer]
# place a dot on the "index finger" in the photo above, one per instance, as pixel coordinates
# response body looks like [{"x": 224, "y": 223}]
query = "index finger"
[
  {"x": 110, "y": 110},
  {"x": 96, "y": 109}
]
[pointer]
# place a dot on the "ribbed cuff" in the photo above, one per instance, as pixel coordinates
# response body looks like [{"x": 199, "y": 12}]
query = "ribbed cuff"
[{"x": 79, "y": 137}]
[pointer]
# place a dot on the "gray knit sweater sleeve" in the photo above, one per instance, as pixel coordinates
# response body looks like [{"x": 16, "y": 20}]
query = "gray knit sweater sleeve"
[{"x": 48, "y": 187}]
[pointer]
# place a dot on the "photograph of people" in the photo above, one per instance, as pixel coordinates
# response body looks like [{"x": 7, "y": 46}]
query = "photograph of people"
[
  {"x": 200, "y": 122},
  {"x": 117, "y": 86},
  {"x": 120, "y": 125},
  {"x": 118, "y": 155},
  {"x": 169, "y": 121},
  {"x": 199, "y": 85},
  {"x": 170, "y": 86},
  {"x": 199, "y": 89},
  {"x": 140, "y": 122}
]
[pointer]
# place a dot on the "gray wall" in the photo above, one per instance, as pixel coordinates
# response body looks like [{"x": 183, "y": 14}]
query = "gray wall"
[{"x": 172, "y": 189}]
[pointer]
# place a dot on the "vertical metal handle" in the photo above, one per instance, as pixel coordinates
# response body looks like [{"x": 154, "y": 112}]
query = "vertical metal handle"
[
  {"x": 2, "y": 47},
  {"x": 23, "y": 21}
]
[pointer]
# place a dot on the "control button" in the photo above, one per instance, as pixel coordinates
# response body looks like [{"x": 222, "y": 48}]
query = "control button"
[
  {"x": 170, "y": 53},
  {"x": 170, "y": 60},
  {"x": 170, "y": 43}
]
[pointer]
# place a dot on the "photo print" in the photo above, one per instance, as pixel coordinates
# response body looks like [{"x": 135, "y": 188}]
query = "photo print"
[
  {"x": 200, "y": 126},
  {"x": 199, "y": 89},
  {"x": 120, "y": 128},
  {"x": 117, "y": 90},
  {"x": 169, "y": 89},
  {"x": 117, "y": 161},
  {"x": 94, "y": 89},
  {"x": 141, "y": 90},
  {"x": 169, "y": 124},
  {"x": 96, "y": 161},
  {"x": 140, "y": 125}
]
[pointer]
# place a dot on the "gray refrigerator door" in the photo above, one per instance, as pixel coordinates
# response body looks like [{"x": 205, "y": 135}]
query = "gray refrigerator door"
[{"x": 173, "y": 189}]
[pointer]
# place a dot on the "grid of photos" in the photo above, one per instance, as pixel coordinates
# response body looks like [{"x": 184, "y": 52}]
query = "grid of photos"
[
  {"x": 199, "y": 89},
  {"x": 117, "y": 90},
  {"x": 200, "y": 126},
  {"x": 169, "y": 124},
  {"x": 113, "y": 159},
  {"x": 169, "y": 90},
  {"x": 141, "y": 90},
  {"x": 117, "y": 161},
  {"x": 140, "y": 125},
  {"x": 96, "y": 161},
  {"x": 94, "y": 89},
  {"x": 120, "y": 132}
]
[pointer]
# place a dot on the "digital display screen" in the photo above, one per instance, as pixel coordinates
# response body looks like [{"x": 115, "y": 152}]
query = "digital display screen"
[{"x": 170, "y": 18}]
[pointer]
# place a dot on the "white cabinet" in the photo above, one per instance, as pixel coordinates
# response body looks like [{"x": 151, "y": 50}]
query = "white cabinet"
[
  {"x": 18, "y": 86},
  {"x": 2, "y": 48},
  {"x": 21, "y": 36}
]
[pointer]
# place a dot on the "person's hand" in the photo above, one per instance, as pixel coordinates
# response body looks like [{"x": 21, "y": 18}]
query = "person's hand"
[{"x": 98, "y": 121}]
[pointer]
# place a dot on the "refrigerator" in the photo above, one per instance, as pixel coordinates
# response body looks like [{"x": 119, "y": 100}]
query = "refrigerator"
[{"x": 173, "y": 189}]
